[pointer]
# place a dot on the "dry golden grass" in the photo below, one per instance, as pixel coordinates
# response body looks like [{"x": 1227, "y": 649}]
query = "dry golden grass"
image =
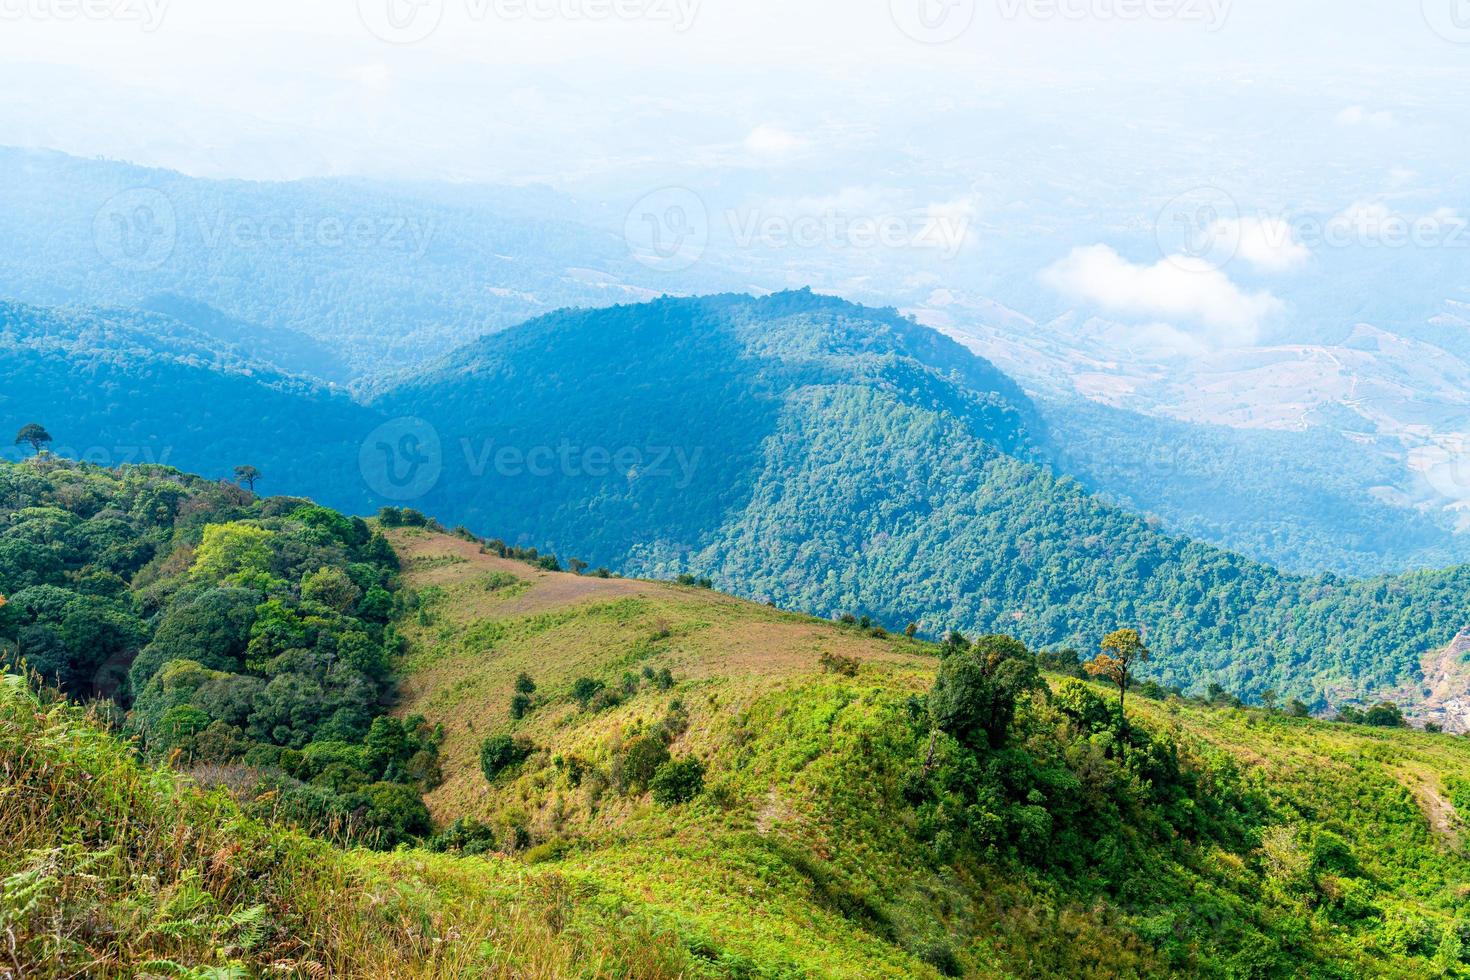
[{"x": 462, "y": 667}]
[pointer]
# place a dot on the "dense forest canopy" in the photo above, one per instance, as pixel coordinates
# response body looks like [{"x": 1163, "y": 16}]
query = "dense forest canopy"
[{"x": 234, "y": 630}]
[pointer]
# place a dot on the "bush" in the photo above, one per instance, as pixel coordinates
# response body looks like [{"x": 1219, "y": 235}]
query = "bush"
[
  {"x": 520, "y": 706},
  {"x": 500, "y": 752},
  {"x": 584, "y": 689},
  {"x": 465, "y": 836},
  {"x": 834, "y": 663},
  {"x": 635, "y": 765},
  {"x": 677, "y": 781},
  {"x": 605, "y": 699}
]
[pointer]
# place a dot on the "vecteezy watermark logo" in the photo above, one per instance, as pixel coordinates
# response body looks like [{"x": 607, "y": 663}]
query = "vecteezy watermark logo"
[
  {"x": 933, "y": 21},
  {"x": 918, "y": 228},
  {"x": 395, "y": 234},
  {"x": 136, "y": 230},
  {"x": 668, "y": 230},
  {"x": 147, "y": 14},
  {"x": 1450, "y": 19},
  {"x": 573, "y": 461},
  {"x": 1200, "y": 225},
  {"x": 1211, "y": 13},
  {"x": 401, "y": 21},
  {"x": 402, "y": 459}
]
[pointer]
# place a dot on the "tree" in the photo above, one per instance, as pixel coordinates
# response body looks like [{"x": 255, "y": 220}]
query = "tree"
[
  {"x": 524, "y": 684},
  {"x": 635, "y": 765},
  {"x": 499, "y": 752},
  {"x": 1385, "y": 714},
  {"x": 1268, "y": 700},
  {"x": 247, "y": 475},
  {"x": 332, "y": 588},
  {"x": 35, "y": 435},
  {"x": 1121, "y": 650},
  {"x": 1297, "y": 708},
  {"x": 974, "y": 696}
]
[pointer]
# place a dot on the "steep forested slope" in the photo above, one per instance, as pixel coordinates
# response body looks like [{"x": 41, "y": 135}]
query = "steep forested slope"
[
  {"x": 121, "y": 386},
  {"x": 1304, "y": 501},
  {"x": 237, "y": 632}
]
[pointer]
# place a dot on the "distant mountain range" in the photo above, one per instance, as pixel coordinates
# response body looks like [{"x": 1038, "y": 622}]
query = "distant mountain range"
[{"x": 365, "y": 283}]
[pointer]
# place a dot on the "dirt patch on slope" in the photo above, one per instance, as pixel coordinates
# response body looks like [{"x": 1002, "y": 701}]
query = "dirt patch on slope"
[{"x": 1443, "y": 697}]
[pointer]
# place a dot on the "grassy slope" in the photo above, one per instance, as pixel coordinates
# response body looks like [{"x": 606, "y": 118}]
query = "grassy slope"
[
  {"x": 796, "y": 860},
  {"x": 794, "y": 863},
  {"x": 113, "y": 869}
]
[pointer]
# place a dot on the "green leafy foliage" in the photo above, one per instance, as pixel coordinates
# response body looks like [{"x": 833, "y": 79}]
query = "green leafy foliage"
[
  {"x": 677, "y": 781},
  {"x": 500, "y": 752},
  {"x": 231, "y": 627}
]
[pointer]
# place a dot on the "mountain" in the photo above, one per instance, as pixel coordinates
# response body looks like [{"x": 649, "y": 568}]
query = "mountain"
[
  {"x": 385, "y": 275},
  {"x": 125, "y": 386},
  {"x": 637, "y": 778},
  {"x": 795, "y": 448},
  {"x": 351, "y": 281},
  {"x": 1305, "y": 501},
  {"x": 838, "y": 459},
  {"x": 289, "y": 351}
]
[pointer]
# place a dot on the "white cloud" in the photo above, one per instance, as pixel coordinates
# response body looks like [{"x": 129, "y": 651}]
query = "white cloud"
[
  {"x": 773, "y": 141},
  {"x": 1269, "y": 244},
  {"x": 946, "y": 224},
  {"x": 1359, "y": 116},
  {"x": 1174, "y": 289}
]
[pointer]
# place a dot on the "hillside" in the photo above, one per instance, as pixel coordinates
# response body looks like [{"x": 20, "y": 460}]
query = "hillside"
[
  {"x": 600, "y": 776},
  {"x": 124, "y": 386},
  {"x": 1350, "y": 852},
  {"x": 1364, "y": 428}
]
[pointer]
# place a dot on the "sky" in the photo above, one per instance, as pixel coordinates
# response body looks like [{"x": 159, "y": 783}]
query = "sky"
[{"x": 1207, "y": 167}]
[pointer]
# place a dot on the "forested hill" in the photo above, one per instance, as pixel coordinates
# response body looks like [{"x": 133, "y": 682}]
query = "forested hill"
[
  {"x": 122, "y": 386},
  {"x": 840, "y": 459},
  {"x": 796, "y": 448}
]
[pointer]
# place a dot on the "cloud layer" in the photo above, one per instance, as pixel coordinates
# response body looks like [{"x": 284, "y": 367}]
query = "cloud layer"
[{"x": 1179, "y": 290}]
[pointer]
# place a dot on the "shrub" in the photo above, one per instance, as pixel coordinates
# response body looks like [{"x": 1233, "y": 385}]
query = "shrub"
[
  {"x": 605, "y": 699},
  {"x": 584, "y": 689},
  {"x": 520, "y": 706},
  {"x": 835, "y": 663},
  {"x": 465, "y": 836},
  {"x": 500, "y": 752},
  {"x": 635, "y": 765},
  {"x": 677, "y": 781},
  {"x": 524, "y": 684}
]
